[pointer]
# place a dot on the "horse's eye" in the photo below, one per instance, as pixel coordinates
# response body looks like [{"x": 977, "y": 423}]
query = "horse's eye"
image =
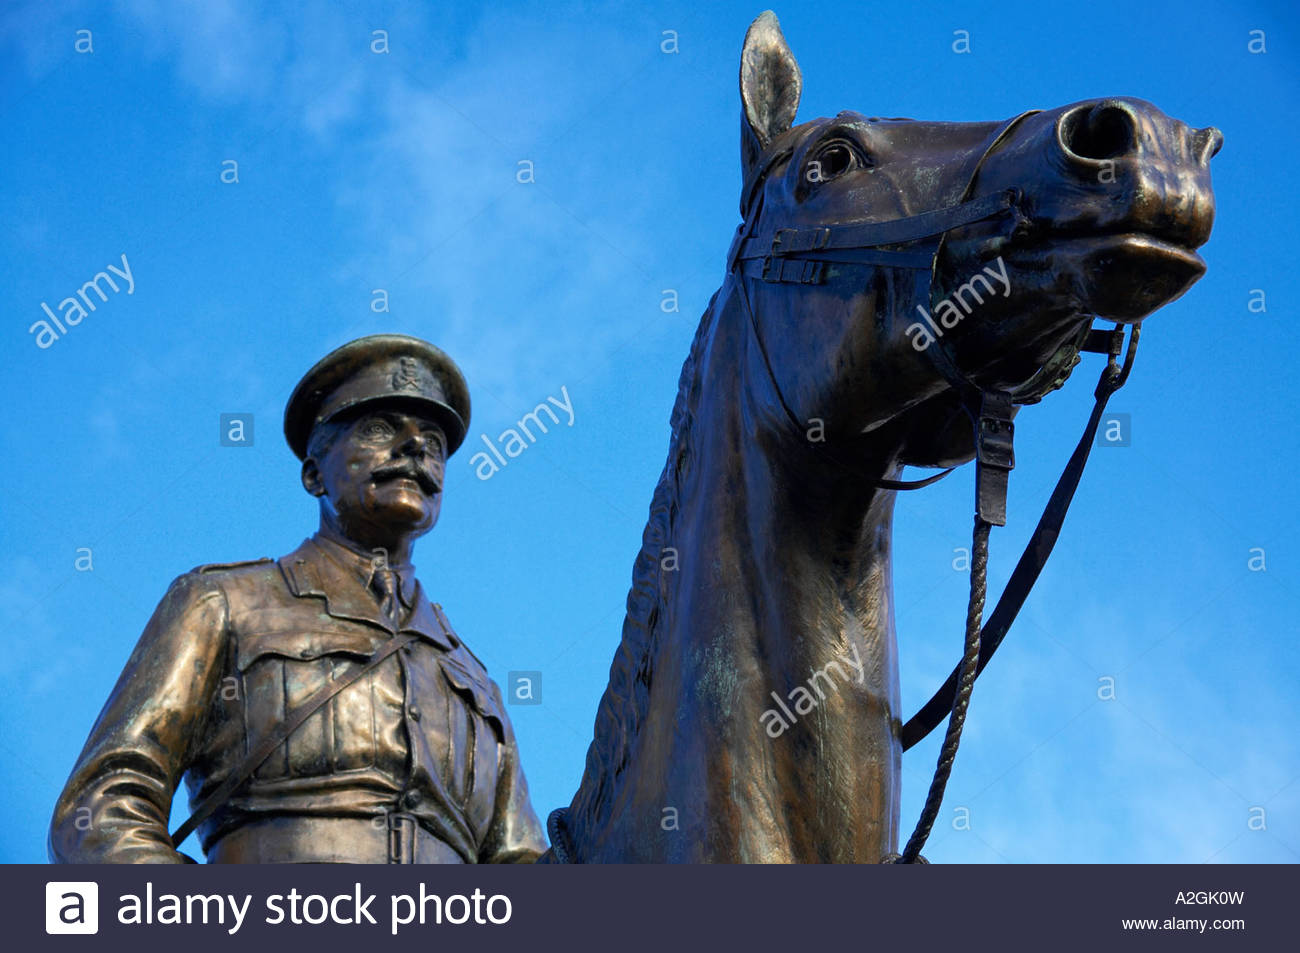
[{"x": 832, "y": 160}]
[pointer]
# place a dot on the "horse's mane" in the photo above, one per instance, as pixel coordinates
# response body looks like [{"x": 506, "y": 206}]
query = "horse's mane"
[{"x": 627, "y": 697}]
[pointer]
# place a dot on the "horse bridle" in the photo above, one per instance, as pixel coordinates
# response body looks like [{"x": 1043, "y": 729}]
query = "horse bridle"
[{"x": 791, "y": 255}]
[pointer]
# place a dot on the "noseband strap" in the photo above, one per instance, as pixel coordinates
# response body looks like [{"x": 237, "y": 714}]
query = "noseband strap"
[
  {"x": 766, "y": 256},
  {"x": 801, "y": 255}
]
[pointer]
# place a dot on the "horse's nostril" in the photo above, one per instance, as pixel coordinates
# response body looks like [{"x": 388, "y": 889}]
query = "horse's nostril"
[{"x": 1101, "y": 131}]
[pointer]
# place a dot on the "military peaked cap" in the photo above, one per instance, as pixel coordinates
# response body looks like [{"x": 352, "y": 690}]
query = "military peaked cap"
[{"x": 387, "y": 368}]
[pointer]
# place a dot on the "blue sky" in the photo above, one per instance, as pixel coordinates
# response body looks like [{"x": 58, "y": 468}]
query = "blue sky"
[{"x": 360, "y": 171}]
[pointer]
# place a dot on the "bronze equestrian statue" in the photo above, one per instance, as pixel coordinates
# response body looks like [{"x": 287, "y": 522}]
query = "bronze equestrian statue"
[
  {"x": 895, "y": 290},
  {"x": 895, "y": 286},
  {"x": 319, "y": 707}
]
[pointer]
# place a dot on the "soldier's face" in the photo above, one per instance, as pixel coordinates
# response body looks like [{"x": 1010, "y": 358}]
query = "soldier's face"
[{"x": 384, "y": 474}]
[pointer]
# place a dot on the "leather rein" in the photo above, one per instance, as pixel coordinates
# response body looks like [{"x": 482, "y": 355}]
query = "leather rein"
[{"x": 802, "y": 256}]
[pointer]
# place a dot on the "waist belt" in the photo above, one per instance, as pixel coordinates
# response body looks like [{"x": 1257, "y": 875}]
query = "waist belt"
[{"x": 384, "y": 839}]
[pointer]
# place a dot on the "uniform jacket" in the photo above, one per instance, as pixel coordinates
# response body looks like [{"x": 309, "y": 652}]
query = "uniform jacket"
[{"x": 230, "y": 650}]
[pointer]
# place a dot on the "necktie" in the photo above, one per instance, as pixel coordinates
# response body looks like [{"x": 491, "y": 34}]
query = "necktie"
[{"x": 385, "y": 583}]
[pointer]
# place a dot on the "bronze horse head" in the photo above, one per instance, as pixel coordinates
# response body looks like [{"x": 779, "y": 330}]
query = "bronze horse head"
[{"x": 752, "y": 712}]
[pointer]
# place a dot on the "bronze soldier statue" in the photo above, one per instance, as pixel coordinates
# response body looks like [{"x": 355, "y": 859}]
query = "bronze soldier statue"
[{"x": 318, "y": 706}]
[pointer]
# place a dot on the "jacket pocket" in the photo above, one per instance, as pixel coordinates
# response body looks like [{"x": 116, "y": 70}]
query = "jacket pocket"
[
  {"x": 477, "y": 690},
  {"x": 280, "y": 672}
]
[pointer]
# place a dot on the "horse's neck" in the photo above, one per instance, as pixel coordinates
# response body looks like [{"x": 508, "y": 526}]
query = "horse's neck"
[
  {"x": 771, "y": 599},
  {"x": 773, "y": 535},
  {"x": 774, "y": 681}
]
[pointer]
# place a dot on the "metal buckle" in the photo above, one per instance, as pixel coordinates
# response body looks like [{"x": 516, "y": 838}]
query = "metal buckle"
[
  {"x": 809, "y": 272},
  {"x": 402, "y": 829},
  {"x": 995, "y": 457},
  {"x": 775, "y": 252}
]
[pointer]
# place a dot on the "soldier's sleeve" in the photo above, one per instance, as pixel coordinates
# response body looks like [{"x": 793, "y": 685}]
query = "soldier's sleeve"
[
  {"x": 115, "y": 806},
  {"x": 515, "y": 835}
]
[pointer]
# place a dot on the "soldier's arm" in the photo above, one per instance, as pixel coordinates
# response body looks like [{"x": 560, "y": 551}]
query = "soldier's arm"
[
  {"x": 115, "y": 806},
  {"x": 515, "y": 835}
]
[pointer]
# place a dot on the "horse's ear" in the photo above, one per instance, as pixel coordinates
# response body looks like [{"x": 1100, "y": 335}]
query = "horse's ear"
[{"x": 770, "y": 84}]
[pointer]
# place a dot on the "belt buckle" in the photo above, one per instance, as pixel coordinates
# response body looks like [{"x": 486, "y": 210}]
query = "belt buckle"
[
  {"x": 402, "y": 829},
  {"x": 995, "y": 457}
]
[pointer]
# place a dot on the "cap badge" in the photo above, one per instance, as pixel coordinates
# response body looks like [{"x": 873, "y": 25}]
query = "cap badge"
[{"x": 407, "y": 375}]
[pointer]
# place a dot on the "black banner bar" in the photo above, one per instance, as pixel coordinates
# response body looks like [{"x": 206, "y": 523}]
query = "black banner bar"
[{"x": 664, "y": 909}]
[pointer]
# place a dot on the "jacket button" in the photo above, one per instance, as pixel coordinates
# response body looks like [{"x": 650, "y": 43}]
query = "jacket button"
[
  {"x": 414, "y": 712},
  {"x": 411, "y": 800},
  {"x": 305, "y": 653}
]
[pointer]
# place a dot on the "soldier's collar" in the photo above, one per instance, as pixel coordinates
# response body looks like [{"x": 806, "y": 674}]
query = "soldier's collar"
[
  {"x": 364, "y": 565},
  {"x": 309, "y": 572}
]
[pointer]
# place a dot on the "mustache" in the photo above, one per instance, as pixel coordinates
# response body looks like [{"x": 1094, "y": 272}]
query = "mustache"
[{"x": 428, "y": 481}]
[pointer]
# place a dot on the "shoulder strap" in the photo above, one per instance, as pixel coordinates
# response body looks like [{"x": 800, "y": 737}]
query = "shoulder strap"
[
  {"x": 441, "y": 617},
  {"x": 456, "y": 640},
  {"x": 292, "y": 723}
]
